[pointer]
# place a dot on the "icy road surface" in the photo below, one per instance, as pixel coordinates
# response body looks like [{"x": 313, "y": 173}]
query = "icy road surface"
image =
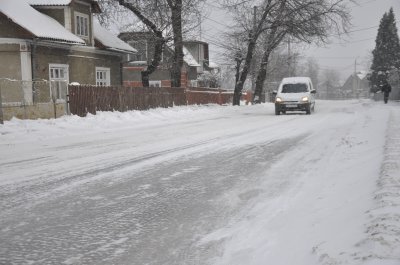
[{"x": 204, "y": 185}]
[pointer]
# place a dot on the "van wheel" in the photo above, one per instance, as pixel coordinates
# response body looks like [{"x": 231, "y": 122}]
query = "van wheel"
[
  {"x": 308, "y": 110},
  {"x": 277, "y": 110}
]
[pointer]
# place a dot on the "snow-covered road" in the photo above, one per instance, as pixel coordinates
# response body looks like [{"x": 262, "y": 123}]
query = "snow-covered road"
[{"x": 204, "y": 185}]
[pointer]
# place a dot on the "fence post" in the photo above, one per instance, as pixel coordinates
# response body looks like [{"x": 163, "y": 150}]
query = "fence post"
[{"x": 1, "y": 106}]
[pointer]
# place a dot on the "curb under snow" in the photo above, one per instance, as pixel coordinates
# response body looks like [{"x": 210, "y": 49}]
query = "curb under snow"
[{"x": 383, "y": 230}]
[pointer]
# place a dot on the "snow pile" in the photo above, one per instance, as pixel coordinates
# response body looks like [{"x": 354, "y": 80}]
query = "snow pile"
[
  {"x": 71, "y": 125},
  {"x": 383, "y": 230}
]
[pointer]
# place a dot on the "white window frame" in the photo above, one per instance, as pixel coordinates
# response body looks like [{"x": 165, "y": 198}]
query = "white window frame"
[
  {"x": 103, "y": 76},
  {"x": 194, "y": 83},
  {"x": 82, "y": 25},
  {"x": 58, "y": 83},
  {"x": 155, "y": 83}
]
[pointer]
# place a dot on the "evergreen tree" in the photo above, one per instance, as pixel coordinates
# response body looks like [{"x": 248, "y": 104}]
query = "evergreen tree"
[{"x": 386, "y": 55}]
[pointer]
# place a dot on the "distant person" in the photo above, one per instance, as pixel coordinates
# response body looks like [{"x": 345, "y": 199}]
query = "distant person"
[{"x": 386, "y": 89}]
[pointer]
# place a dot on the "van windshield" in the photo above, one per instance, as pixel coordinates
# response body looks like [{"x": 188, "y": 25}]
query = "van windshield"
[{"x": 294, "y": 88}]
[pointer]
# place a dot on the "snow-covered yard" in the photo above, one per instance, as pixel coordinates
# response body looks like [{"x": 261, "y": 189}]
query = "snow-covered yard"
[{"x": 204, "y": 185}]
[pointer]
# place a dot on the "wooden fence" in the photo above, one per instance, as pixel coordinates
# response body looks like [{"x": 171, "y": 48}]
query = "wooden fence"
[{"x": 89, "y": 99}]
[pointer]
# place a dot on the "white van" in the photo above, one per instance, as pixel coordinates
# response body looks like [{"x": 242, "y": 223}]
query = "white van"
[{"x": 295, "y": 94}]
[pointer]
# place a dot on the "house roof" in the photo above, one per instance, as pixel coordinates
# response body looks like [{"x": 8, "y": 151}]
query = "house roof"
[
  {"x": 188, "y": 58},
  {"x": 108, "y": 40},
  {"x": 362, "y": 74},
  {"x": 94, "y": 3},
  {"x": 47, "y": 28},
  {"x": 49, "y": 2},
  {"x": 38, "y": 24},
  {"x": 213, "y": 65}
]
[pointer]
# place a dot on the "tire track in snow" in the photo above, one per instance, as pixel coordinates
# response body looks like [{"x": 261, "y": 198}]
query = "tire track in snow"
[
  {"x": 55, "y": 182},
  {"x": 154, "y": 219}
]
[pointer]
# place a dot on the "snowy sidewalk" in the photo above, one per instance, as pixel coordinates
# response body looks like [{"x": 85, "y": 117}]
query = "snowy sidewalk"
[{"x": 383, "y": 230}]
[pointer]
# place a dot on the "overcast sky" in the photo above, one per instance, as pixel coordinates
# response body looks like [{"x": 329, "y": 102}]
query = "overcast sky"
[{"x": 340, "y": 54}]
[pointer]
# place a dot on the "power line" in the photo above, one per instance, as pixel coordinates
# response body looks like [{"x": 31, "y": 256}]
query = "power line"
[
  {"x": 212, "y": 5},
  {"x": 220, "y": 23}
]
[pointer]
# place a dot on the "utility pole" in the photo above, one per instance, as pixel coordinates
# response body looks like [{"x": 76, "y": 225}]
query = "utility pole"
[
  {"x": 253, "y": 65},
  {"x": 355, "y": 80},
  {"x": 200, "y": 26},
  {"x": 289, "y": 58},
  {"x": 1, "y": 107},
  {"x": 255, "y": 19}
]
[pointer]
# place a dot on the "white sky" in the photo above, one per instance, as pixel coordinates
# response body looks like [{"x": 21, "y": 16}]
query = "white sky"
[{"x": 340, "y": 54}]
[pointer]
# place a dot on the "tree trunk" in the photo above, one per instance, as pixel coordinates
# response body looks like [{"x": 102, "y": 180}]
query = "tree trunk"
[
  {"x": 176, "y": 12},
  {"x": 273, "y": 40},
  {"x": 243, "y": 76},
  {"x": 158, "y": 48},
  {"x": 159, "y": 41},
  {"x": 261, "y": 75}
]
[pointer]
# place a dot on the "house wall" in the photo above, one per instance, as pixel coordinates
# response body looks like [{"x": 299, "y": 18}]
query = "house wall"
[
  {"x": 55, "y": 12},
  {"x": 143, "y": 42},
  {"x": 10, "y": 53},
  {"x": 132, "y": 76},
  {"x": 82, "y": 64},
  {"x": 36, "y": 111},
  {"x": 84, "y": 9},
  {"x": 12, "y": 91},
  {"x": 199, "y": 51},
  {"x": 355, "y": 88},
  {"x": 192, "y": 73},
  {"x": 8, "y": 29}
]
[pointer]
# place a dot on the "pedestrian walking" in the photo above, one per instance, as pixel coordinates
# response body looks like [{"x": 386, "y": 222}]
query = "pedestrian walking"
[{"x": 385, "y": 89}]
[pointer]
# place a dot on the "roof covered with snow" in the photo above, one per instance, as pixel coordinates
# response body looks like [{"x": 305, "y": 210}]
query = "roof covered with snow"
[
  {"x": 188, "y": 58},
  {"x": 213, "y": 65},
  {"x": 45, "y": 27},
  {"x": 40, "y": 25},
  {"x": 110, "y": 41},
  {"x": 94, "y": 3},
  {"x": 49, "y": 2},
  {"x": 362, "y": 74},
  {"x": 294, "y": 80}
]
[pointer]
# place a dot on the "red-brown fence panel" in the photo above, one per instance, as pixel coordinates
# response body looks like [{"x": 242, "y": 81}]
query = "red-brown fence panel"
[
  {"x": 89, "y": 99},
  {"x": 208, "y": 96},
  {"x": 85, "y": 99}
]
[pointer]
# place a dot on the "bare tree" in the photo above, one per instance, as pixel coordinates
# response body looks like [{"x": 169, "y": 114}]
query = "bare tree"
[
  {"x": 164, "y": 18},
  {"x": 311, "y": 69},
  {"x": 176, "y": 17},
  {"x": 306, "y": 20},
  {"x": 154, "y": 22}
]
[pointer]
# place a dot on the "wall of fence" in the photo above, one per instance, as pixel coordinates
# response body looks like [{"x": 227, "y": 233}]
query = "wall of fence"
[
  {"x": 85, "y": 99},
  {"x": 32, "y": 99}
]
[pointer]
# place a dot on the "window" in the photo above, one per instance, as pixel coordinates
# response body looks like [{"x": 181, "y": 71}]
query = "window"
[
  {"x": 102, "y": 76},
  {"x": 142, "y": 47},
  {"x": 58, "y": 81},
  {"x": 82, "y": 25},
  {"x": 294, "y": 88},
  {"x": 155, "y": 83},
  {"x": 194, "y": 83}
]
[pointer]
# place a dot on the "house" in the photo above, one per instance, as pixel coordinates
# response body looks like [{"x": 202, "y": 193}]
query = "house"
[
  {"x": 196, "y": 61},
  {"x": 58, "y": 41},
  {"x": 356, "y": 86}
]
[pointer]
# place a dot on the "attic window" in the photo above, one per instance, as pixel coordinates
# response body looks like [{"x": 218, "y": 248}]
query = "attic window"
[{"x": 82, "y": 25}]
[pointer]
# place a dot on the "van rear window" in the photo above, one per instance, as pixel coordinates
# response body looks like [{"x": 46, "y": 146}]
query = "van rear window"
[{"x": 294, "y": 88}]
